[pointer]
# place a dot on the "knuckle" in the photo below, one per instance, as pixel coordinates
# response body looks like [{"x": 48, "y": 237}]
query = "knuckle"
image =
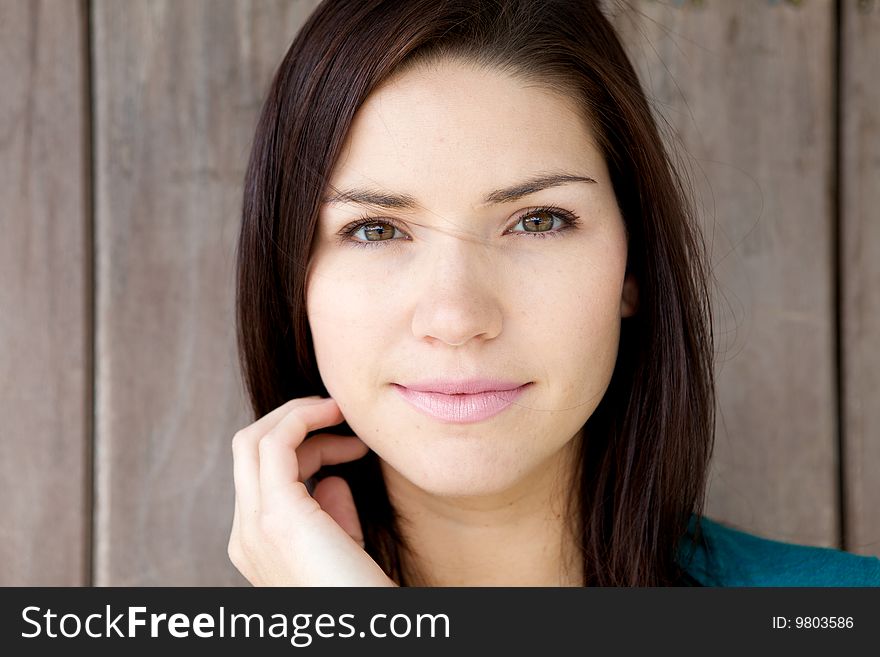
[
  {"x": 282, "y": 435},
  {"x": 293, "y": 424},
  {"x": 267, "y": 443},
  {"x": 239, "y": 438}
]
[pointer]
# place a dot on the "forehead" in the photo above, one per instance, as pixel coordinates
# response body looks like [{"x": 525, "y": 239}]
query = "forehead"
[{"x": 457, "y": 126}]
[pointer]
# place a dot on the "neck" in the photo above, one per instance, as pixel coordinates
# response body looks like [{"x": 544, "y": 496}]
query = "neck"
[{"x": 521, "y": 536}]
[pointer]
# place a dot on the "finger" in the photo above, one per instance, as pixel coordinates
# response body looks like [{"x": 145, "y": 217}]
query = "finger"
[
  {"x": 268, "y": 422},
  {"x": 334, "y": 496},
  {"x": 278, "y": 463},
  {"x": 328, "y": 449},
  {"x": 246, "y": 463}
]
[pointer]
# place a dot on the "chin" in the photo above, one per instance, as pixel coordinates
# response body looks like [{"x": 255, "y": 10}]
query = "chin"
[
  {"x": 450, "y": 478},
  {"x": 457, "y": 488}
]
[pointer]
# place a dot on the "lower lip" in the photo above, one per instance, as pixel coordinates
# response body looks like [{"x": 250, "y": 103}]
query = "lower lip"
[{"x": 460, "y": 409}]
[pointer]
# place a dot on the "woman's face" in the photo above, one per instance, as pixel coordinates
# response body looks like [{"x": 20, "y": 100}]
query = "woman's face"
[{"x": 452, "y": 280}]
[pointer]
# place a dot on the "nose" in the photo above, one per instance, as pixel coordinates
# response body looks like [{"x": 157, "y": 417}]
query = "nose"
[{"x": 457, "y": 295}]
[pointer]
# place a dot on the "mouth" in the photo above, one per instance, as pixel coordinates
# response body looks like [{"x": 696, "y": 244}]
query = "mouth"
[
  {"x": 463, "y": 386},
  {"x": 461, "y": 407}
]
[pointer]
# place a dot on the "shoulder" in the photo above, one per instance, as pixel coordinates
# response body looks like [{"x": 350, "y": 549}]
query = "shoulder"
[{"x": 724, "y": 556}]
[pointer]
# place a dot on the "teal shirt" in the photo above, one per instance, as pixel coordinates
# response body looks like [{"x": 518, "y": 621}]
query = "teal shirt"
[{"x": 729, "y": 557}]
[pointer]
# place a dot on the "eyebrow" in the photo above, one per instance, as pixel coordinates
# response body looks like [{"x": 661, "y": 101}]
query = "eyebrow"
[{"x": 384, "y": 199}]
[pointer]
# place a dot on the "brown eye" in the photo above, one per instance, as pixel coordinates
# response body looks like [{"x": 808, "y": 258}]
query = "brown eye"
[
  {"x": 538, "y": 222},
  {"x": 378, "y": 232},
  {"x": 374, "y": 233}
]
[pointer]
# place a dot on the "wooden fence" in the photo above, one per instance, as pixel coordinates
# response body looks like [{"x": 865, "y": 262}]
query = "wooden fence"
[{"x": 124, "y": 132}]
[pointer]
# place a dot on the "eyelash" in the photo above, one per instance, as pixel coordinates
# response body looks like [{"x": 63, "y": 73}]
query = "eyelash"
[{"x": 569, "y": 221}]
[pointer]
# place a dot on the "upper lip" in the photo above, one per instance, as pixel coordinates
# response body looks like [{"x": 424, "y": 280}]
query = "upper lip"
[{"x": 462, "y": 386}]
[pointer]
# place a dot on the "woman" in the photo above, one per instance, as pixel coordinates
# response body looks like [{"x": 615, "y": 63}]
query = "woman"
[{"x": 473, "y": 315}]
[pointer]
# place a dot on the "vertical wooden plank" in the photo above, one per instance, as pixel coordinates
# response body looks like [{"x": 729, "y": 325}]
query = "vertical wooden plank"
[
  {"x": 747, "y": 88},
  {"x": 178, "y": 86},
  {"x": 860, "y": 264},
  {"x": 44, "y": 304}
]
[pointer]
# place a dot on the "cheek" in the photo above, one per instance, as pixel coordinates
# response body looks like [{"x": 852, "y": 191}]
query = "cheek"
[
  {"x": 340, "y": 322},
  {"x": 574, "y": 329},
  {"x": 349, "y": 310}
]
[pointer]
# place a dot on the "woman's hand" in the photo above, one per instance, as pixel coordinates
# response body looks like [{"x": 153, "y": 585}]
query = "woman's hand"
[{"x": 281, "y": 535}]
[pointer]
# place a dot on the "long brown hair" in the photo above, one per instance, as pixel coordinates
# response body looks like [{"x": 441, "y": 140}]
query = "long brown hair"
[{"x": 644, "y": 458}]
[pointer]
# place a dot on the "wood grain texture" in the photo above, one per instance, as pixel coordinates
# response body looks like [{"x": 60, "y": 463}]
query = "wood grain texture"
[
  {"x": 747, "y": 89},
  {"x": 178, "y": 86},
  {"x": 45, "y": 374},
  {"x": 860, "y": 271}
]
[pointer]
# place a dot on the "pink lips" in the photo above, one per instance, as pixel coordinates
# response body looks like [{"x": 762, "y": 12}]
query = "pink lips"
[{"x": 446, "y": 402}]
